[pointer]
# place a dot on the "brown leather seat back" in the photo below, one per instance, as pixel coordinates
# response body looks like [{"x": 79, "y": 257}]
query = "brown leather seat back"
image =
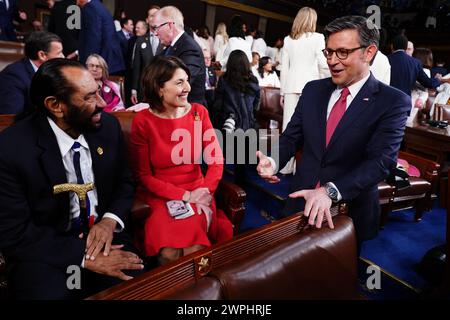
[
  {"x": 10, "y": 52},
  {"x": 298, "y": 268},
  {"x": 120, "y": 81},
  {"x": 442, "y": 112},
  {"x": 125, "y": 119},
  {"x": 270, "y": 100}
]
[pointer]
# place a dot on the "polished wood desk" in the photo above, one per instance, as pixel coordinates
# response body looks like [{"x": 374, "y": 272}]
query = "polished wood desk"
[{"x": 427, "y": 141}]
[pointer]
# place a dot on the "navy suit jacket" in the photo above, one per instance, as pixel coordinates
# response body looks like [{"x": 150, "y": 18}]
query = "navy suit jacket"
[
  {"x": 33, "y": 220},
  {"x": 406, "y": 70},
  {"x": 98, "y": 35},
  {"x": 361, "y": 152},
  {"x": 58, "y": 25},
  {"x": 15, "y": 82},
  {"x": 6, "y": 18},
  {"x": 188, "y": 50}
]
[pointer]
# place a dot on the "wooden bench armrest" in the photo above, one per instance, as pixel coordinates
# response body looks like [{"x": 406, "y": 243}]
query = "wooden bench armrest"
[{"x": 429, "y": 169}]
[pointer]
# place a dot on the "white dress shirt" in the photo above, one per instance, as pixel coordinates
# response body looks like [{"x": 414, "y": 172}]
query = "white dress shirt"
[{"x": 65, "y": 143}]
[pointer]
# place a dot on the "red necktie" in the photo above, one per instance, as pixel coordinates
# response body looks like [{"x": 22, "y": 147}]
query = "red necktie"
[{"x": 336, "y": 114}]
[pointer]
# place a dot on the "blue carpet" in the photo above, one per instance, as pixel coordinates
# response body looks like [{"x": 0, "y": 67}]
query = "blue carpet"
[
  {"x": 403, "y": 242},
  {"x": 397, "y": 250}
]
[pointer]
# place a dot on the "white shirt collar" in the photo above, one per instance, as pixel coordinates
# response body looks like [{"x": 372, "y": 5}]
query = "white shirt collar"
[
  {"x": 33, "y": 65},
  {"x": 354, "y": 88},
  {"x": 176, "y": 38},
  {"x": 65, "y": 142}
]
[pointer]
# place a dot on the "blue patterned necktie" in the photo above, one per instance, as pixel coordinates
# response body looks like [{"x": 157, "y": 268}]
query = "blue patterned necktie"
[
  {"x": 84, "y": 216},
  {"x": 168, "y": 51}
]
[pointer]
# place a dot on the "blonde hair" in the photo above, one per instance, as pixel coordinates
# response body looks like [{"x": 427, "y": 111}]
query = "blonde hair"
[
  {"x": 222, "y": 30},
  {"x": 304, "y": 22},
  {"x": 102, "y": 63},
  {"x": 172, "y": 13}
]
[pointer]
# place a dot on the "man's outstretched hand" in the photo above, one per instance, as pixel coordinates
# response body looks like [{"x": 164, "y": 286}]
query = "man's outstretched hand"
[
  {"x": 317, "y": 206},
  {"x": 265, "y": 169}
]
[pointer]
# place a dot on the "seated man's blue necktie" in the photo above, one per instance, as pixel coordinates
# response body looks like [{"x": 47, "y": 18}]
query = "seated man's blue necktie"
[{"x": 84, "y": 216}]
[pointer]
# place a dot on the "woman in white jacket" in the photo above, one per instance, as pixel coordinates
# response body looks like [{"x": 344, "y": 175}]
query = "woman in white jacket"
[
  {"x": 220, "y": 41},
  {"x": 302, "y": 61}
]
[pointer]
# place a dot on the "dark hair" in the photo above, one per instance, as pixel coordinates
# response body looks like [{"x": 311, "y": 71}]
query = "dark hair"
[
  {"x": 235, "y": 27},
  {"x": 49, "y": 80},
  {"x": 156, "y": 74},
  {"x": 367, "y": 31},
  {"x": 425, "y": 56},
  {"x": 262, "y": 62},
  {"x": 203, "y": 32},
  {"x": 153, "y": 6},
  {"x": 238, "y": 74},
  {"x": 400, "y": 42},
  {"x": 124, "y": 21},
  {"x": 39, "y": 41}
]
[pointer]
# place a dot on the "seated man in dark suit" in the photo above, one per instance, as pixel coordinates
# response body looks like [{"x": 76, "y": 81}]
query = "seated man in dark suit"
[
  {"x": 47, "y": 237},
  {"x": 349, "y": 128},
  {"x": 406, "y": 70},
  {"x": 15, "y": 79},
  {"x": 169, "y": 28}
]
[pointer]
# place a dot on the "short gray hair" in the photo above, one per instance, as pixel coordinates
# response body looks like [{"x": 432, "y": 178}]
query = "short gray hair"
[
  {"x": 368, "y": 32},
  {"x": 172, "y": 13}
]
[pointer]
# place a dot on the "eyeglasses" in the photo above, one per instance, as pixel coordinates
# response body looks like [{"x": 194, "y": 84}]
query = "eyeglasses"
[
  {"x": 156, "y": 28},
  {"x": 341, "y": 53},
  {"x": 93, "y": 66}
]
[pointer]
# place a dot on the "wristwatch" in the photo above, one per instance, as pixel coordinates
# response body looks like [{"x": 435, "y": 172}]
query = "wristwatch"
[{"x": 332, "y": 192}]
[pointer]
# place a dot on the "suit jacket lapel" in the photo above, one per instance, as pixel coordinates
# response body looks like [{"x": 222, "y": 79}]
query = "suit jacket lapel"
[
  {"x": 323, "y": 97},
  {"x": 29, "y": 68},
  {"x": 360, "y": 103},
  {"x": 53, "y": 166},
  {"x": 97, "y": 149}
]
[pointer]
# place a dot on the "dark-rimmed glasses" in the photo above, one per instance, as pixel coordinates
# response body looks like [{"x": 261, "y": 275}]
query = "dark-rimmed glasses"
[
  {"x": 156, "y": 28},
  {"x": 341, "y": 53}
]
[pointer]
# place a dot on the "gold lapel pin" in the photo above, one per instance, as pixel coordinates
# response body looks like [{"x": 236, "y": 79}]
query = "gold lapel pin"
[
  {"x": 196, "y": 116},
  {"x": 100, "y": 151}
]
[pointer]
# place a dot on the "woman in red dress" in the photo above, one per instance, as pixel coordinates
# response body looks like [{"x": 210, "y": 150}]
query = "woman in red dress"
[{"x": 167, "y": 143}]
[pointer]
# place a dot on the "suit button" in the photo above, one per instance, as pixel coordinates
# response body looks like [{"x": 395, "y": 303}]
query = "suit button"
[{"x": 323, "y": 164}]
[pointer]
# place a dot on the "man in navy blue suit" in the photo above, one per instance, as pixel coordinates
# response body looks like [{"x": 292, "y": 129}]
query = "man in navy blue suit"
[
  {"x": 169, "y": 28},
  {"x": 406, "y": 70},
  {"x": 98, "y": 35},
  {"x": 15, "y": 79},
  {"x": 9, "y": 13},
  {"x": 67, "y": 139},
  {"x": 348, "y": 127}
]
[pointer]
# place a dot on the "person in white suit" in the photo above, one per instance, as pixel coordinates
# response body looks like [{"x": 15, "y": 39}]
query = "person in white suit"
[{"x": 302, "y": 61}]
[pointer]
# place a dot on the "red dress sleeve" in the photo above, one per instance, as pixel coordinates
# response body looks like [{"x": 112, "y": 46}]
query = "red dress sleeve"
[{"x": 140, "y": 162}]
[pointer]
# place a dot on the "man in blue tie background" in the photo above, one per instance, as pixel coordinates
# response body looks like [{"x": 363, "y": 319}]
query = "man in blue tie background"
[{"x": 67, "y": 139}]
